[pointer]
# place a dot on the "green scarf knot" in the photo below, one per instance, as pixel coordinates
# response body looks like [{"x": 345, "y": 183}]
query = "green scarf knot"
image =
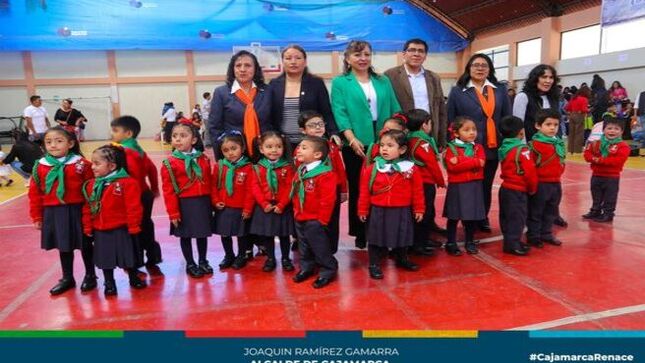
[
  {"x": 230, "y": 173},
  {"x": 508, "y": 144},
  {"x": 56, "y": 173},
  {"x": 272, "y": 176},
  {"x": 469, "y": 148},
  {"x": 299, "y": 184},
  {"x": 605, "y": 143},
  {"x": 380, "y": 163},
  {"x": 190, "y": 163},
  {"x": 557, "y": 142},
  {"x": 94, "y": 199}
]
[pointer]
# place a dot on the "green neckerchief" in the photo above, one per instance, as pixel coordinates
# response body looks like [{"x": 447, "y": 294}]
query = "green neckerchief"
[
  {"x": 298, "y": 182},
  {"x": 56, "y": 173},
  {"x": 190, "y": 163},
  {"x": 380, "y": 164},
  {"x": 606, "y": 143},
  {"x": 425, "y": 137},
  {"x": 94, "y": 199},
  {"x": 555, "y": 141},
  {"x": 508, "y": 144},
  {"x": 230, "y": 173},
  {"x": 132, "y": 143},
  {"x": 272, "y": 177},
  {"x": 469, "y": 148}
]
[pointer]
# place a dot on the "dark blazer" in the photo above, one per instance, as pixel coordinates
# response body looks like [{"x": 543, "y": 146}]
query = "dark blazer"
[
  {"x": 313, "y": 96},
  {"x": 465, "y": 103},
  {"x": 227, "y": 112},
  {"x": 401, "y": 84}
]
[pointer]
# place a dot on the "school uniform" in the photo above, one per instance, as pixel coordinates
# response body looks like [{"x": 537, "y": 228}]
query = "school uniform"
[
  {"x": 314, "y": 196},
  {"x": 519, "y": 180},
  {"x": 238, "y": 198},
  {"x": 272, "y": 224},
  {"x": 114, "y": 220},
  {"x": 544, "y": 204},
  {"x": 605, "y": 176},
  {"x": 465, "y": 195}
]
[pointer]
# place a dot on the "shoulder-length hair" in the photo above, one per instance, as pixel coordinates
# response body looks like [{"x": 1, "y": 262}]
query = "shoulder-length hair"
[
  {"x": 258, "y": 77},
  {"x": 353, "y": 47},
  {"x": 299, "y": 49},
  {"x": 465, "y": 77},
  {"x": 530, "y": 86}
]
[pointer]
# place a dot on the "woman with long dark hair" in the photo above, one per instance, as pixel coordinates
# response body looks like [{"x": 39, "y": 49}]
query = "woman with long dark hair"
[{"x": 540, "y": 91}]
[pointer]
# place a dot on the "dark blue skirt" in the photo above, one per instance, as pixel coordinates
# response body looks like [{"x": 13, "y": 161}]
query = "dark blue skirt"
[
  {"x": 113, "y": 248},
  {"x": 465, "y": 201},
  {"x": 272, "y": 224},
  {"x": 62, "y": 228},
  {"x": 390, "y": 227},
  {"x": 228, "y": 222},
  {"x": 196, "y": 216}
]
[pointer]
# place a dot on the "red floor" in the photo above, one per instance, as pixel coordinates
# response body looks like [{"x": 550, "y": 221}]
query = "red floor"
[{"x": 599, "y": 268}]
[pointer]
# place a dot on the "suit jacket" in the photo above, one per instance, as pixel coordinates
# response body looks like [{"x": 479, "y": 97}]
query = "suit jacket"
[
  {"x": 313, "y": 96},
  {"x": 466, "y": 103},
  {"x": 351, "y": 110},
  {"x": 401, "y": 84}
]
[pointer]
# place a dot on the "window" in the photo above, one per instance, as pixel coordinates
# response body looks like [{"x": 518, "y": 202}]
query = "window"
[
  {"x": 499, "y": 56},
  {"x": 580, "y": 42},
  {"x": 623, "y": 36},
  {"x": 529, "y": 52}
]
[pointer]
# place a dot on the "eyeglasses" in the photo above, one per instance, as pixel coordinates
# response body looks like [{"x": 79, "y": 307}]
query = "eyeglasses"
[
  {"x": 479, "y": 65},
  {"x": 416, "y": 50},
  {"x": 315, "y": 125}
]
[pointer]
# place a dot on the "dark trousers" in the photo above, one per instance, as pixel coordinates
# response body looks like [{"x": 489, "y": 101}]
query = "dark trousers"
[
  {"x": 604, "y": 193},
  {"x": 543, "y": 210},
  {"x": 513, "y": 211},
  {"x": 422, "y": 229},
  {"x": 167, "y": 131},
  {"x": 353, "y": 165},
  {"x": 333, "y": 229},
  {"x": 313, "y": 243},
  {"x": 490, "y": 168},
  {"x": 146, "y": 238}
]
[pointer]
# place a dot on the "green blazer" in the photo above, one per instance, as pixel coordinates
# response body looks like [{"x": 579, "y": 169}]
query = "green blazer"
[{"x": 351, "y": 110}]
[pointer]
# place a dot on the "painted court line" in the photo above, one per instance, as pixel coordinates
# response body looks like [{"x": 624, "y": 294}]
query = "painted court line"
[
  {"x": 13, "y": 198},
  {"x": 584, "y": 318},
  {"x": 27, "y": 293}
]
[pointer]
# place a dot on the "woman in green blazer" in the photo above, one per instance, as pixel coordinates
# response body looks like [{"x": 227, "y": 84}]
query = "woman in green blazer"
[{"x": 361, "y": 101}]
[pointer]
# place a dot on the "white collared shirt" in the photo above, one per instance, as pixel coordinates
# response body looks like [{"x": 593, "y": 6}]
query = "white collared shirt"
[
  {"x": 472, "y": 85},
  {"x": 404, "y": 166},
  {"x": 191, "y": 152},
  {"x": 236, "y": 86},
  {"x": 419, "y": 89},
  {"x": 312, "y": 165},
  {"x": 461, "y": 142}
]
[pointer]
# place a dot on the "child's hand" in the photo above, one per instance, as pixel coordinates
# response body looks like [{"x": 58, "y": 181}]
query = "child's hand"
[
  {"x": 268, "y": 208},
  {"x": 220, "y": 205},
  {"x": 595, "y": 159},
  {"x": 175, "y": 222},
  {"x": 482, "y": 162},
  {"x": 246, "y": 215},
  {"x": 363, "y": 218},
  {"x": 344, "y": 197},
  {"x": 38, "y": 225},
  {"x": 418, "y": 217},
  {"x": 277, "y": 210},
  {"x": 453, "y": 160}
]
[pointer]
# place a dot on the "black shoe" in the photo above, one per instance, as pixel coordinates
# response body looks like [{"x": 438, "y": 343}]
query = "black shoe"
[
  {"x": 248, "y": 256},
  {"x": 375, "y": 272},
  {"x": 593, "y": 214},
  {"x": 605, "y": 218},
  {"x": 519, "y": 251},
  {"x": 287, "y": 265},
  {"x": 9, "y": 182},
  {"x": 269, "y": 265},
  {"x": 321, "y": 282},
  {"x": 206, "y": 268},
  {"x": 435, "y": 228},
  {"x": 525, "y": 246},
  {"x": 484, "y": 226},
  {"x": 110, "y": 288},
  {"x": 537, "y": 244},
  {"x": 559, "y": 221},
  {"x": 194, "y": 271},
  {"x": 89, "y": 283},
  {"x": 240, "y": 262},
  {"x": 294, "y": 245},
  {"x": 261, "y": 252},
  {"x": 64, "y": 284},
  {"x": 137, "y": 283},
  {"x": 433, "y": 243},
  {"x": 226, "y": 262},
  {"x": 471, "y": 248},
  {"x": 553, "y": 241},
  {"x": 360, "y": 242},
  {"x": 452, "y": 249},
  {"x": 302, "y": 276},
  {"x": 407, "y": 265},
  {"x": 423, "y": 251}
]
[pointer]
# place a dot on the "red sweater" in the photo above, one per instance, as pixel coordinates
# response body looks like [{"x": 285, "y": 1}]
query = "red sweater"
[
  {"x": 424, "y": 153},
  {"x": 577, "y": 104},
  {"x": 263, "y": 195},
  {"x": 549, "y": 169},
  {"x": 242, "y": 196},
  {"x": 610, "y": 166},
  {"x": 337, "y": 165},
  {"x": 391, "y": 190},
  {"x": 320, "y": 198},
  {"x": 120, "y": 207},
  {"x": 527, "y": 182},
  {"x": 77, "y": 171},
  {"x": 468, "y": 168},
  {"x": 140, "y": 168},
  {"x": 187, "y": 189}
]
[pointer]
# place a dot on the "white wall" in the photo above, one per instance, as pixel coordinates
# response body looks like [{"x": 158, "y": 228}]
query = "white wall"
[
  {"x": 69, "y": 64},
  {"x": 11, "y": 66}
]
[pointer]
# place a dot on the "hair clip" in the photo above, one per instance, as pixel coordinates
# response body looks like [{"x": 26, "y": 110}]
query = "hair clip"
[{"x": 401, "y": 117}]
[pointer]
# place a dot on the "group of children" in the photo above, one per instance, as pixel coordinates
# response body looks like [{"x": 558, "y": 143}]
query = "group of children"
[{"x": 258, "y": 193}]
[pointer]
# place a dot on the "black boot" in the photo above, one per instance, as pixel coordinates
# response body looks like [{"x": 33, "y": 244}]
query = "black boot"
[
  {"x": 287, "y": 265},
  {"x": 452, "y": 249},
  {"x": 604, "y": 218},
  {"x": 89, "y": 283},
  {"x": 375, "y": 272},
  {"x": 64, "y": 284},
  {"x": 240, "y": 262},
  {"x": 110, "y": 288},
  {"x": 194, "y": 271},
  {"x": 205, "y": 267},
  {"x": 471, "y": 248},
  {"x": 135, "y": 281},
  {"x": 226, "y": 262},
  {"x": 406, "y": 264},
  {"x": 593, "y": 214},
  {"x": 269, "y": 265}
]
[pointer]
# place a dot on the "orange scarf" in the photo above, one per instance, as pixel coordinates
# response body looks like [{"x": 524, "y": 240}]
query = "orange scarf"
[
  {"x": 488, "y": 106},
  {"x": 251, "y": 124}
]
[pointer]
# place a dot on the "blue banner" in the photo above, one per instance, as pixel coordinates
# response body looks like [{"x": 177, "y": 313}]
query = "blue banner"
[{"x": 617, "y": 11}]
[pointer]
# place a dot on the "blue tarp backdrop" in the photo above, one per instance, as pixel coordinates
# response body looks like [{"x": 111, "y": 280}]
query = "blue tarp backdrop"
[{"x": 216, "y": 24}]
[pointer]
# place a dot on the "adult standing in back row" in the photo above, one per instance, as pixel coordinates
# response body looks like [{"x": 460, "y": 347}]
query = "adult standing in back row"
[{"x": 36, "y": 119}]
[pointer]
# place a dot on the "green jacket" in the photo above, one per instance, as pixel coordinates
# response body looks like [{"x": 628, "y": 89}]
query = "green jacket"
[{"x": 351, "y": 110}]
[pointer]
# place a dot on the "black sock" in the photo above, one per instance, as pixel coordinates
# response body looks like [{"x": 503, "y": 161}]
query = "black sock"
[
  {"x": 243, "y": 244},
  {"x": 227, "y": 243},
  {"x": 469, "y": 226},
  {"x": 87, "y": 253},
  {"x": 108, "y": 274},
  {"x": 202, "y": 247},
  {"x": 269, "y": 244},
  {"x": 375, "y": 254},
  {"x": 401, "y": 253},
  {"x": 67, "y": 264},
  {"x": 285, "y": 245},
  {"x": 452, "y": 231},
  {"x": 187, "y": 250}
]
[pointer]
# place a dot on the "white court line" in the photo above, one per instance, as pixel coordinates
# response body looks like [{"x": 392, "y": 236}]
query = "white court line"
[
  {"x": 13, "y": 198},
  {"x": 27, "y": 293},
  {"x": 584, "y": 318}
]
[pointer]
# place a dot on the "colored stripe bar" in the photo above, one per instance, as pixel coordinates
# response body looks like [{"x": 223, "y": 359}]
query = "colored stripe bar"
[
  {"x": 587, "y": 334},
  {"x": 60, "y": 334},
  {"x": 245, "y": 334},
  {"x": 420, "y": 333}
]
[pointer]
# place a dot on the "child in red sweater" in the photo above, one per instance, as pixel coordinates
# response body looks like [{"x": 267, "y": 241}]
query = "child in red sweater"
[
  {"x": 607, "y": 157},
  {"x": 187, "y": 188},
  {"x": 112, "y": 215},
  {"x": 314, "y": 196},
  {"x": 464, "y": 161},
  {"x": 391, "y": 194},
  {"x": 55, "y": 205},
  {"x": 549, "y": 152},
  {"x": 273, "y": 214},
  {"x": 233, "y": 199},
  {"x": 398, "y": 121},
  {"x": 519, "y": 181}
]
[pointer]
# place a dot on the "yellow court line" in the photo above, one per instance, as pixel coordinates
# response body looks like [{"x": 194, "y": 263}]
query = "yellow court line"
[{"x": 420, "y": 334}]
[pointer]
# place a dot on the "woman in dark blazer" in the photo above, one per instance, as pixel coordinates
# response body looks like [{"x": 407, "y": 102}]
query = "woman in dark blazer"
[
  {"x": 244, "y": 81},
  {"x": 297, "y": 90},
  {"x": 463, "y": 100}
]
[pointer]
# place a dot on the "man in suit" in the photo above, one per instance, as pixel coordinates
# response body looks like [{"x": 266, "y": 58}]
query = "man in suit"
[{"x": 416, "y": 87}]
